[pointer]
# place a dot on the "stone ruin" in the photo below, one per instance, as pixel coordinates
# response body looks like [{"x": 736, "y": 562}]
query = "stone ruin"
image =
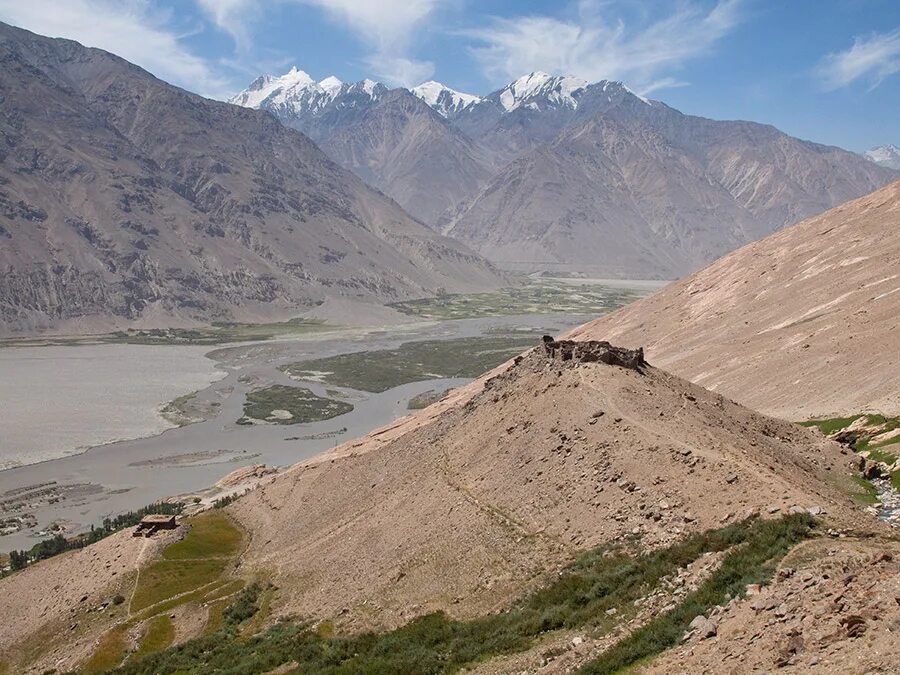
[{"x": 589, "y": 351}]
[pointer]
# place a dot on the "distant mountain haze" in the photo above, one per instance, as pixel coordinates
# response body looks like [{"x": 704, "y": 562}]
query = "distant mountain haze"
[
  {"x": 555, "y": 173},
  {"x": 127, "y": 201}
]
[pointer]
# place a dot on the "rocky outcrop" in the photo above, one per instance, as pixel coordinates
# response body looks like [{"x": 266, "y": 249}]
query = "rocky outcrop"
[{"x": 593, "y": 351}]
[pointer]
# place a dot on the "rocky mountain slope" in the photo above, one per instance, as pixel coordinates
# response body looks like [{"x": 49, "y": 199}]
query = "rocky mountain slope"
[
  {"x": 552, "y": 172},
  {"x": 406, "y": 149},
  {"x": 125, "y": 200},
  {"x": 491, "y": 493},
  {"x": 680, "y": 190},
  {"x": 801, "y": 324},
  {"x": 396, "y": 140}
]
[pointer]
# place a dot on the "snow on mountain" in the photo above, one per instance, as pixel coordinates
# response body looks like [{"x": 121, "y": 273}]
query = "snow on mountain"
[
  {"x": 296, "y": 93},
  {"x": 533, "y": 89},
  {"x": 885, "y": 155},
  {"x": 443, "y": 99},
  {"x": 267, "y": 85}
]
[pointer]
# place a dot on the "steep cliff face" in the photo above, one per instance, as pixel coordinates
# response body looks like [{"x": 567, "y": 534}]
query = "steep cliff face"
[{"x": 124, "y": 199}]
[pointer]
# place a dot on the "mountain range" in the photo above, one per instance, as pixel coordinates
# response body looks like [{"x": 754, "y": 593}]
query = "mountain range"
[
  {"x": 555, "y": 173},
  {"x": 127, "y": 201}
]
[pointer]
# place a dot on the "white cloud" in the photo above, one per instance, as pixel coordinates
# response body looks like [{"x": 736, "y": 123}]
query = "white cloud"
[
  {"x": 128, "y": 28},
  {"x": 232, "y": 16},
  {"x": 600, "y": 44},
  {"x": 872, "y": 59},
  {"x": 385, "y": 27}
]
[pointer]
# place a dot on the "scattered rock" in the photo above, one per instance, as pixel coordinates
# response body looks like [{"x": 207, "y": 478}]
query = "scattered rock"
[
  {"x": 703, "y": 627},
  {"x": 854, "y": 624}
]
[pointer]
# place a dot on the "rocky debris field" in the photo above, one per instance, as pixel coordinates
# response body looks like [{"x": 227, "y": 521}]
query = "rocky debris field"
[{"x": 834, "y": 607}]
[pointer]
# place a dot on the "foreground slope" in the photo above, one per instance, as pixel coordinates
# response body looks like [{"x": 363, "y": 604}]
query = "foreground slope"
[
  {"x": 803, "y": 324},
  {"x": 124, "y": 199},
  {"x": 468, "y": 503},
  {"x": 465, "y": 506}
]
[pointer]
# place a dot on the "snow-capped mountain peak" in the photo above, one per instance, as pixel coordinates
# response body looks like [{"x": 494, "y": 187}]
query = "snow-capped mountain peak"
[
  {"x": 296, "y": 93},
  {"x": 331, "y": 85},
  {"x": 532, "y": 89},
  {"x": 885, "y": 155},
  {"x": 443, "y": 99},
  {"x": 267, "y": 85}
]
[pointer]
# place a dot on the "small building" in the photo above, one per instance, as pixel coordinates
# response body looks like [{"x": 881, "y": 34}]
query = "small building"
[{"x": 150, "y": 524}]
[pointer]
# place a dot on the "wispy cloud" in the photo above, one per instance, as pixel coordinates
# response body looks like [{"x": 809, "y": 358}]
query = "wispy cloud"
[
  {"x": 132, "y": 29},
  {"x": 870, "y": 59},
  {"x": 234, "y": 17},
  {"x": 385, "y": 27},
  {"x": 601, "y": 44}
]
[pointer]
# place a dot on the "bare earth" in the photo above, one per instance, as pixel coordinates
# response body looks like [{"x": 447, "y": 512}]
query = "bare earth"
[
  {"x": 468, "y": 504},
  {"x": 803, "y": 324}
]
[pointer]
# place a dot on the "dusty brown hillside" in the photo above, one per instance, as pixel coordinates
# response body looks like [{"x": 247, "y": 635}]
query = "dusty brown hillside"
[
  {"x": 473, "y": 501},
  {"x": 805, "y": 323}
]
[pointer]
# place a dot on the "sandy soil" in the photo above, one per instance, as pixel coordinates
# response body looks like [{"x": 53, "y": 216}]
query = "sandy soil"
[{"x": 803, "y": 324}]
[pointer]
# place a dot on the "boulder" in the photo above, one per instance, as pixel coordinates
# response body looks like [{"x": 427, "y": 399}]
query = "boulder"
[{"x": 703, "y": 627}]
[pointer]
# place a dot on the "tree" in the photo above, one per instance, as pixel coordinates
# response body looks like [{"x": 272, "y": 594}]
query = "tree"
[{"x": 18, "y": 560}]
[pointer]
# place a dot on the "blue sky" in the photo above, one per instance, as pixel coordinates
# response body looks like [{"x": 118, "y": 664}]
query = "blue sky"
[{"x": 825, "y": 70}]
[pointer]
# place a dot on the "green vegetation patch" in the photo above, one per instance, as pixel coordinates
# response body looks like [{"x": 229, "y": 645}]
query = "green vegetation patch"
[
  {"x": 599, "y": 580},
  {"x": 534, "y": 296},
  {"x": 832, "y": 425},
  {"x": 212, "y": 534},
  {"x": 282, "y": 404},
  {"x": 167, "y": 578},
  {"x": 869, "y": 443},
  {"x": 215, "y": 334},
  {"x": 753, "y": 563},
  {"x": 378, "y": 371},
  {"x": 188, "y": 565},
  {"x": 110, "y": 651},
  {"x": 866, "y": 493},
  {"x": 158, "y": 634},
  {"x": 426, "y": 398}
]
